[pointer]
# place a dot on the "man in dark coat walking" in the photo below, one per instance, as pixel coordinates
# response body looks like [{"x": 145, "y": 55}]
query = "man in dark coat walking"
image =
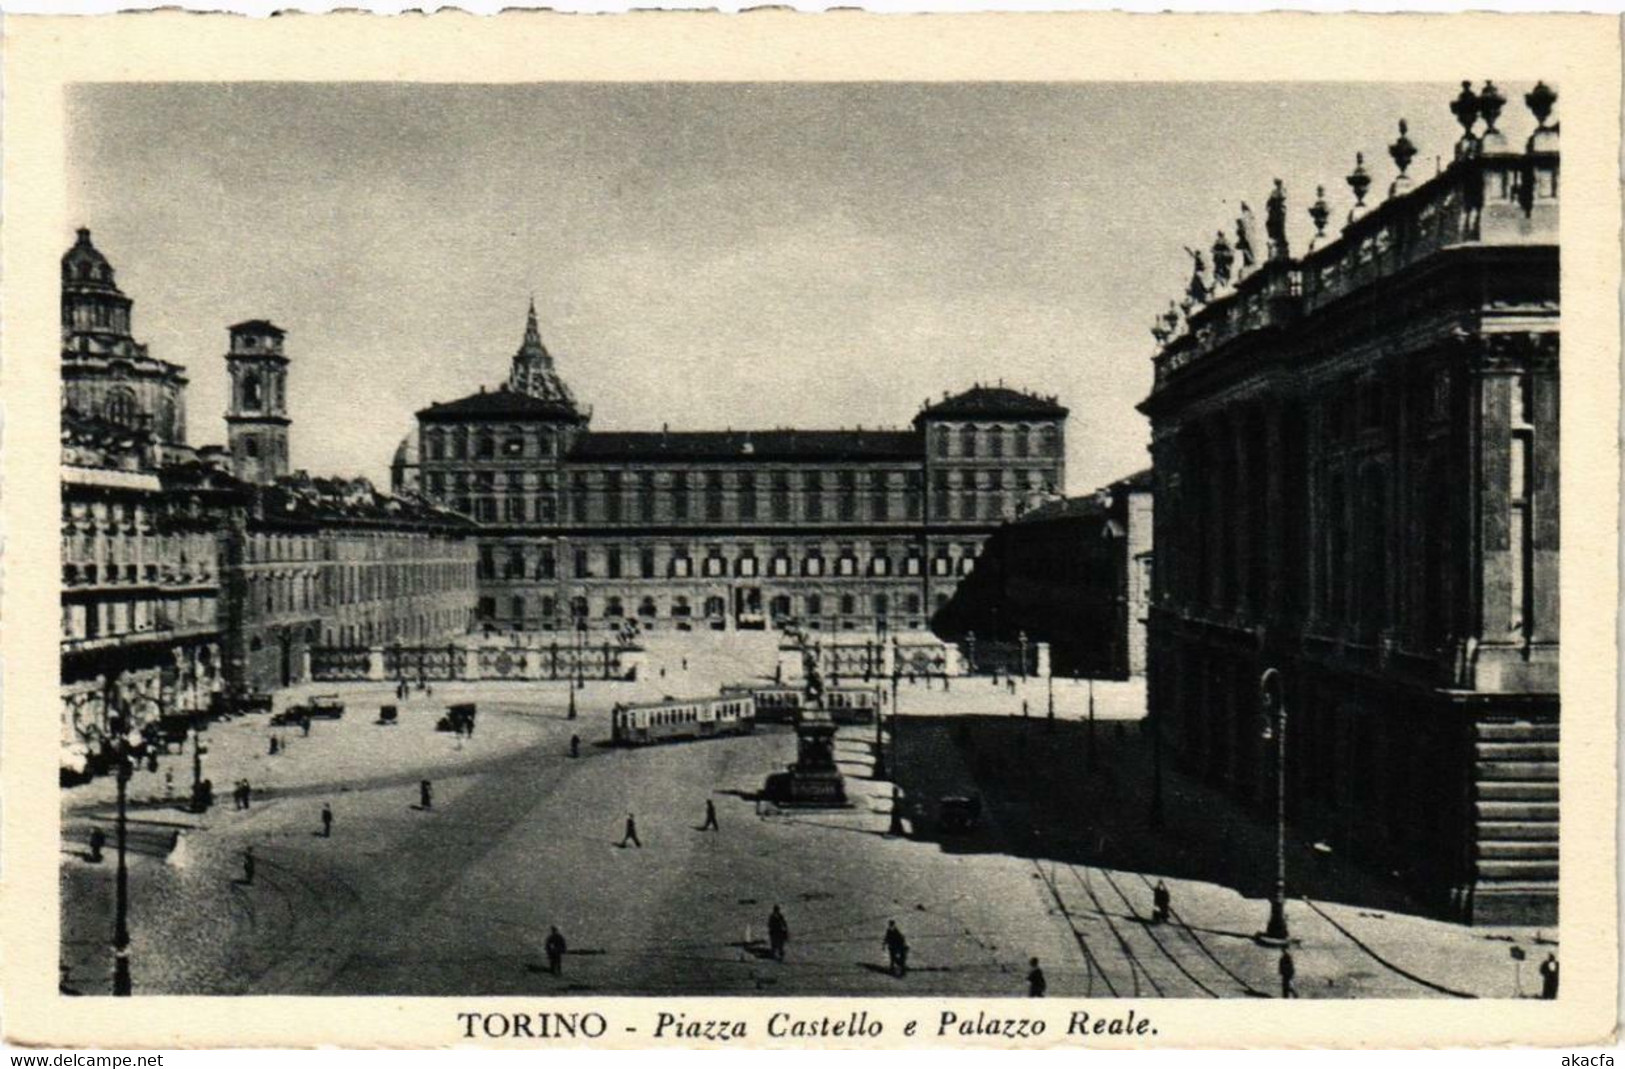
[
  {"x": 555, "y": 951},
  {"x": 631, "y": 835},
  {"x": 1036, "y": 984},
  {"x": 778, "y": 933},
  {"x": 896, "y": 949},
  {"x": 1288, "y": 969},
  {"x": 710, "y": 817},
  {"x": 1163, "y": 902},
  {"x": 248, "y": 865},
  {"x": 425, "y": 795},
  {"x": 327, "y": 821},
  {"x": 1548, "y": 977}
]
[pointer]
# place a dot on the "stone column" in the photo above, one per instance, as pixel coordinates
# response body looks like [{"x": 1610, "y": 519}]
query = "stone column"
[
  {"x": 375, "y": 663},
  {"x": 1043, "y": 668}
]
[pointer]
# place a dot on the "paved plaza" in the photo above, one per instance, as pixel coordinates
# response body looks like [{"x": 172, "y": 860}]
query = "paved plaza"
[{"x": 458, "y": 898}]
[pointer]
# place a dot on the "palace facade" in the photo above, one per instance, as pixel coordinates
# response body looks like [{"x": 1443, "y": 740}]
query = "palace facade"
[
  {"x": 1356, "y": 476},
  {"x": 820, "y": 529}
]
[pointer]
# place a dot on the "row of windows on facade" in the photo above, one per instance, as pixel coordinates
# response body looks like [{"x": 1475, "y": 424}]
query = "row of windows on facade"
[
  {"x": 681, "y": 607},
  {"x": 416, "y": 548},
  {"x": 743, "y": 487},
  {"x": 175, "y": 560},
  {"x": 88, "y": 621},
  {"x": 1352, "y": 557},
  {"x": 462, "y": 443},
  {"x": 421, "y": 627},
  {"x": 514, "y": 508},
  {"x": 308, "y": 588},
  {"x": 103, "y": 316},
  {"x": 611, "y": 562}
]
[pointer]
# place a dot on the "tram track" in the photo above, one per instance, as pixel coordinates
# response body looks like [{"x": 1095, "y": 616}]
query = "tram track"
[{"x": 1201, "y": 946}]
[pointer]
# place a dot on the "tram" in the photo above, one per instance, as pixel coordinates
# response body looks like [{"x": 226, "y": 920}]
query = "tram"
[
  {"x": 845, "y": 705},
  {"x": 673, "y": 720}
]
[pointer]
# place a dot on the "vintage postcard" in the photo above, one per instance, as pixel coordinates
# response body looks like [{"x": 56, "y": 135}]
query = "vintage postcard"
[{"x": 838, "y": 531}]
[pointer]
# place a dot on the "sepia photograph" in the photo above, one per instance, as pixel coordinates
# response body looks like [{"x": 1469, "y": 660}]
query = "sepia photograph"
[{"x": 1078, "y": 539}]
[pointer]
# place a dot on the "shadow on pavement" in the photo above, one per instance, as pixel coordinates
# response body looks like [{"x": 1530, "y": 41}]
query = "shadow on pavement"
[{"x": 1041, "y": 800}]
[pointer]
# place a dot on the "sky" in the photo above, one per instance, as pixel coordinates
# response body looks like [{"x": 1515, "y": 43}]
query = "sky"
[{"x": 702, "y": 256}]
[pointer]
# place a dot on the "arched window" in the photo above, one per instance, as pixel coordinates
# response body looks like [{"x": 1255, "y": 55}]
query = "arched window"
[
  {"x": 488, "y": 445},
  {"x": 882, "y": 605},
  {"x": 1052, "y": 441},
  {"x": 613, "y": 607},
  {"x": 544, "y": 437},
  {"x": 120, "y": 406},
  {"x": 435, "y": 444},
  {"x": 967, "y": 442},
  {"x": 1024, "y": 441},
  {"x": 251, "y": 447},
  {"x": 251, "y": 390},
  {"x": 459, "y": 444},
  {"x": 942, "y": 441},
  {"x": 646, "y": 607},
  {"x": 995, "y": 442}
]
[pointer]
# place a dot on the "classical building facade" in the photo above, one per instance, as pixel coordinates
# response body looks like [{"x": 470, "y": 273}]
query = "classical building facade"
[
  {"x": 1356, "y": 477},
  {"x": 1073, "y": 573},
  {"x": 333, "y": 563},
  {"x": 826, "y": 529},
  {"x": 141, "y": 625},
  {"x": 187, "y": 572}
]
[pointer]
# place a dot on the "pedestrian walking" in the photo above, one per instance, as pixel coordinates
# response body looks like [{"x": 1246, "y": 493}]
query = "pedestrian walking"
[
  {"x": 1010, "y": 682},
  {"x": 98, "y": 840},
  {"x": 631, "y": 835},
  {"x": 304, "y": 724},
  {"x": 555, "y": 951},
  {"x": 248, "y": 794},
  {"x": 425, "y": 795},
  {"x": 896, "y": 948},
  {"x": 1024, "y": 707},
  {"x": 710, "y": 817},
  {"x": 1288, "y": 969},
  {"x": 1036, "y": 984},
  {"x": 169, "y": 784},
  {"x": 1548, "y": 977},
  {"x": 248, "y": 865},
  {"x": 273, "y": 746},
  {"x": 575, "y": 745},
  {"x": 152, "y": 760},
  {"x": 1163, "y": 902},
  {"x": 327, "y": 821},
  {"x": 685, "y": 664},
  {"x": 778, "y": 933}
]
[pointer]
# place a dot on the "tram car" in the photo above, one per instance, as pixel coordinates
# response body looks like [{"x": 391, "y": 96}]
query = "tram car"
[
  {"x": 674, "y": 720},
  {"x": 852, "y": 705}
]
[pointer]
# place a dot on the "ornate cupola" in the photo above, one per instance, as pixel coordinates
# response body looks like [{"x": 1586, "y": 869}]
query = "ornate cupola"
[
  {"x": 95, "y": 312},
  {"x": 533, "y": 373}
]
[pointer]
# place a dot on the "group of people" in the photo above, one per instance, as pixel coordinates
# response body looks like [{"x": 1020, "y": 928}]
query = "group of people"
[{"x": 242, "y": 794}]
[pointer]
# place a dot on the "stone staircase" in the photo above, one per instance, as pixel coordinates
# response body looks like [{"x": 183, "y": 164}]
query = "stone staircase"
[{"x": 1516, "y": 820}]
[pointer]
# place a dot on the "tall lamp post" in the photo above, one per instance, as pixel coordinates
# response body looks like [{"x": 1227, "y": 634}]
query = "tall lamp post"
[
  {"x": 896, "y": 826},
  {"x": 1089, "y": 758},
  {"x": 1272, "y": 705},
  {"x": 121, "y": 901}
]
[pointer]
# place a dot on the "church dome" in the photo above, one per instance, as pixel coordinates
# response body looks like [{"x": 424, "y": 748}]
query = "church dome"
[{"x": 84, "y": 266}]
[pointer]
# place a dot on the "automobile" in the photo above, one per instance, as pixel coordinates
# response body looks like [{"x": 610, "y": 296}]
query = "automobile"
[
  {"x": 958, "y": 813},
  {"x": 325, "y": 707}
]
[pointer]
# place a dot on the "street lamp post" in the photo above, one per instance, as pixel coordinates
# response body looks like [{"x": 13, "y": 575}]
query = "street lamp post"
[
  {"x": 896, "y": 826},
  {"x": 1272, "y": 704},
  {"x": 1089, "y": 758},
  {"x": 199, "y": 802},
  {"x": 1050, "y": 701}
]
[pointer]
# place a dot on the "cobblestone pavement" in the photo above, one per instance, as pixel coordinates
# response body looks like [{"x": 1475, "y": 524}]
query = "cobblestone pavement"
[{"x": 458, "y": 898}]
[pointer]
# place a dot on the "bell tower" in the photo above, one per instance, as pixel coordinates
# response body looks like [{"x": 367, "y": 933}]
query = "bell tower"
[{"x": 257, "y": 415}]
